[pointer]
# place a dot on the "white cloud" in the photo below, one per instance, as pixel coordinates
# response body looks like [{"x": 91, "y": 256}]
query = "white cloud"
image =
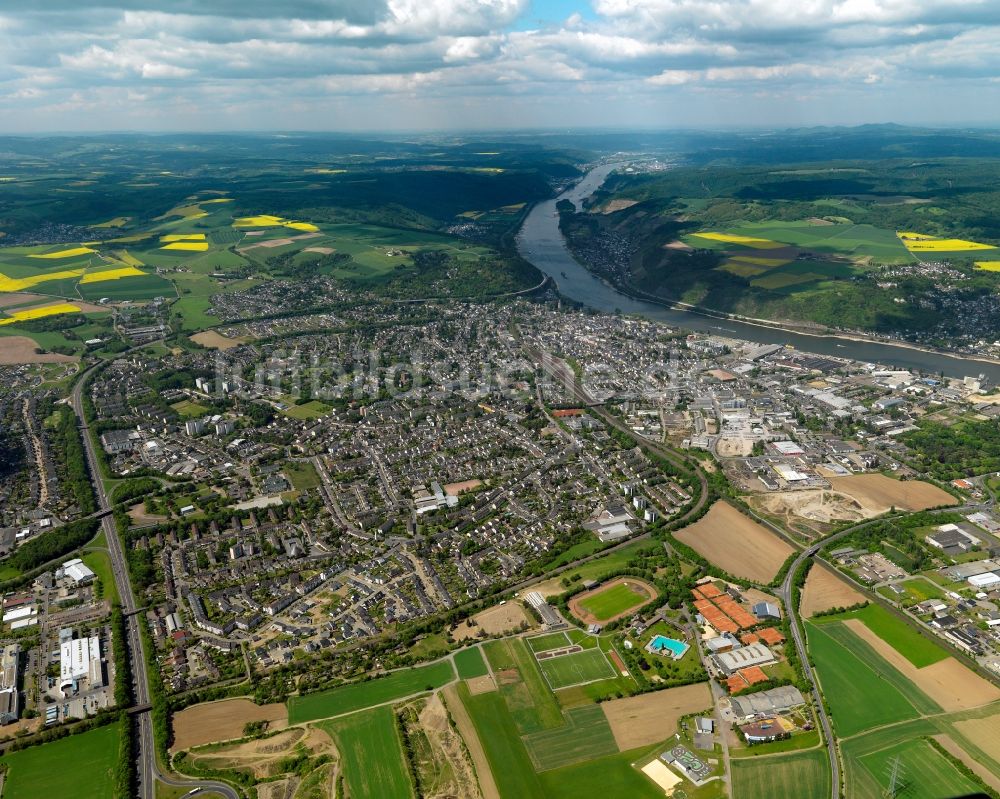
[{"x": 454, "y": 53}]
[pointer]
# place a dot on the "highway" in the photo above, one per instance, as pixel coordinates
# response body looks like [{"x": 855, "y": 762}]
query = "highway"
[
  {"x": 785, "y": 592},
  {"x": 148, "y": 770},
  {"x": 564, "y": 375}
]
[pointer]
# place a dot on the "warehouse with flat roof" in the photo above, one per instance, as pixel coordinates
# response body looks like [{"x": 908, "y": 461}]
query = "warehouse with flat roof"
[
  {"x": 10, "y": 697},
  {"x": 753, "y": 655},
  {"x": 79, "y": 661}
]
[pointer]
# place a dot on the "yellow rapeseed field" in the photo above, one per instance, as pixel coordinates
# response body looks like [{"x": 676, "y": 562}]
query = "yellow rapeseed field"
[
  {"x": 263, "y": 220},
  {"x": 70, "y": 253},
  {"x": 38, "y": 313},
  {"x": 183, "y": 237},
  {"x": 918, "y": 242},
  {"x": 111, "y": 274},
  {"x": 734, "y": 238},
  {"x": 126, "y": 257},
  {"x": 988, "y": 266},
  {"x": 24, "y": 283},
  {"x": 190, "y": 246},
  {"x": 266, "y": 220}
]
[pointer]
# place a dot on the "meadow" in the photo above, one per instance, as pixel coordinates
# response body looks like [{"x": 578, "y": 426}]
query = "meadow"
[
  {"x": 531, "y": 704},
  {"x": 314, "y": 409},
  {"x": 302, "y": 475},
  {"x": 861, "y": 694},
  {"x": 100, "y": 563},
  {"x": 609, "y": 775},
  {"x": 360, "y": 695},
  {"x": 804, "y": 775},
  {"x": 925, "y": 772},
  {"x": 918, "y": 649},
  {"x": 469, "y": 663},
  {"x": 371, "y": 753},
  {"x": 81, "y": 766},
  {"x": 845, "y": 239},
  {"x": 585, "y": 735}
]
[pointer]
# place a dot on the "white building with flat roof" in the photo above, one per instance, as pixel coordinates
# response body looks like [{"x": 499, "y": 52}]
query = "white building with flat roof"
[
  {"x": 77, "y": 571},
  {"x": 79, "y": 660},
  {"x": 744, "y": 657}
]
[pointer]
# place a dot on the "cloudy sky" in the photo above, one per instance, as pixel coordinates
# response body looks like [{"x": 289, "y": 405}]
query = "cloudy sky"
[{"x": 373, "y": 65}]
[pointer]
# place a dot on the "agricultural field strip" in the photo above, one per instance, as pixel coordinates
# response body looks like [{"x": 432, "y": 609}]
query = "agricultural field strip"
[
  {"x": 858, "y": 699},
  {"x": 586, "y": 735},
  {"x": 844, "y": 636},
  {"x": 369, "y": 744},
  {"x": 359, "y": 696},
  {"x": 804, "y": 775}
]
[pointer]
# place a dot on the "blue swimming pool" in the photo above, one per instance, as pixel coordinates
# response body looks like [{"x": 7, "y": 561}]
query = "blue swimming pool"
[{"x": 661, "y": 645}]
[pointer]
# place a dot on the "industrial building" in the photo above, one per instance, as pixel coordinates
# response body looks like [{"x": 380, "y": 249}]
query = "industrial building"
[
  {"x": 10, "y": 696},
  {"x": 767, "y": 703},
  {"x": 77, "y": 571},
  {"x": 79, "y": 661},
  {"x": 753, "y": 655}
]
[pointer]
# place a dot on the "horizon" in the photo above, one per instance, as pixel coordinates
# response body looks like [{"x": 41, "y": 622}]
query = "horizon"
[{"x": 492, "y": 65}]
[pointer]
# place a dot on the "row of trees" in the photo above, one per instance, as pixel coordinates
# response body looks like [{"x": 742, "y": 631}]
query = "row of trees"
[{"x": 53, "y": 544}]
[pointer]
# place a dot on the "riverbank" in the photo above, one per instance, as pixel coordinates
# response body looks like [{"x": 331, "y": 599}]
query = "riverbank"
[
  {"x": 541, "y": 242},
  {"x": 803, "y": 329}
]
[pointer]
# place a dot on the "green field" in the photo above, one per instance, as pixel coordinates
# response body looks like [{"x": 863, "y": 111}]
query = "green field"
[
  {"x": 916, "y": 648},
  {"x": 512, "y": 768},
  {"x": 857, "y": 241},
  {"x": 586, "y": 735},
  {"x": 804, "y": 775},
  {"x": 522, "y": 687},
  {"x": 861, "y": 694},
  {"x": 925, "y": 772},
  {"x": 372, "y": 755},
  {"x": 80, "y": 766},
  {"x": 578, "y": 668},
  {"x": 470, "y": 663},
  {"x": 100, "y": 564},
  {"x": 610, "y": 775},
  {"x": 356, "y": 696},
  {"x": 917, "y": 589},
  {"x": 543, "y": 643},
  {"x": 614, "y": 601},
  {"x": 606, "y": 564},
  {"x": 189, "y": 410},
  {"x": 314, "y": 409},
  {"x": 301, "y": 474}
]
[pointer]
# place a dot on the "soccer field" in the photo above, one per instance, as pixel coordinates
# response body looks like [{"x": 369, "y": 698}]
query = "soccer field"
[
  {"x": 581, "y": 667},
  {"x": 615, "y": 600}
]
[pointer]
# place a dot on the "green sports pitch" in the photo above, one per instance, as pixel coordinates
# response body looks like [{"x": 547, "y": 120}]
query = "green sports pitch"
[
  {"x": 581, "y": 667},
  {"x": 623, "y": 596}
]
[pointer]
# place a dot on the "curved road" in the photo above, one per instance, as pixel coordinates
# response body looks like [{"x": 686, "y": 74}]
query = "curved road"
[
  {"x": 148, "y": 770},
  {"x": 785, "y": 592}
]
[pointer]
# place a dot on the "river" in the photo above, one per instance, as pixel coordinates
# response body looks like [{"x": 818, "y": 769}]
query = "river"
[{"x": 541, "y": 242}]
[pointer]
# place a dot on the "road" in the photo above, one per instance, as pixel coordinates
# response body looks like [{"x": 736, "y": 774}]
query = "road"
[
  {"x": 559, "y": 370},
  {"x": 148, "y": 770}
]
